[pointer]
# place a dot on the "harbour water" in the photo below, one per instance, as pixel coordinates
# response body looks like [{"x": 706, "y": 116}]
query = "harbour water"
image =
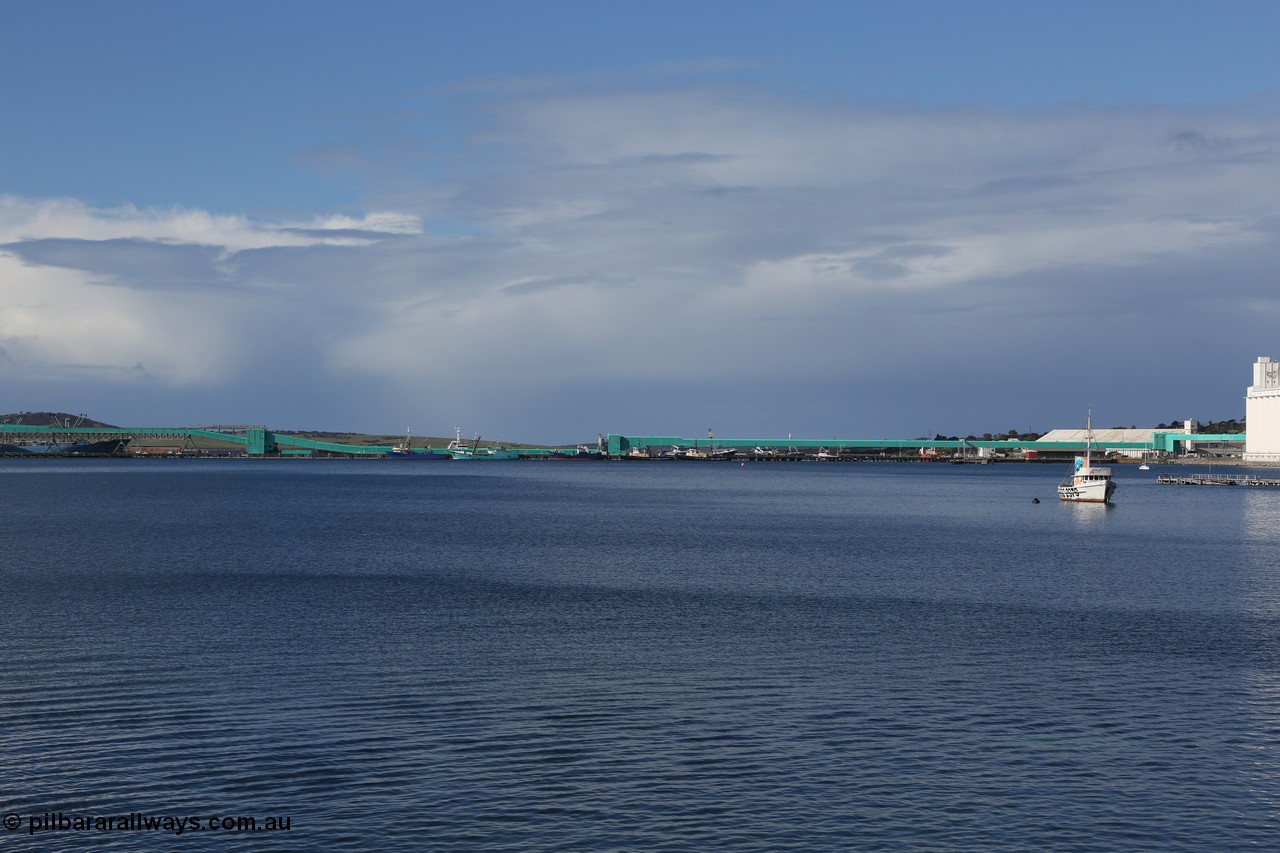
[{"x": 537, "y": 656}]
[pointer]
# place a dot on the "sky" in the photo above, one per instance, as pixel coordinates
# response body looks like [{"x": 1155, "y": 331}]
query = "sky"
[{"x": 542, "y": 221}]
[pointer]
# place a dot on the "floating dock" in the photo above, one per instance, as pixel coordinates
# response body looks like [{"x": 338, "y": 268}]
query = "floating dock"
[{"x": 1215, "y": 480}]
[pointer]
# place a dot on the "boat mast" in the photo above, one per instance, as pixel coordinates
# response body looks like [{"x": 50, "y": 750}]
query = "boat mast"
[{"x": 1088, "y": 440}]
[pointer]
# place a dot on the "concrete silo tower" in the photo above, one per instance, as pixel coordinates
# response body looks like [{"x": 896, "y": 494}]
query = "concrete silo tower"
[{"x": 1262, "y": 412}]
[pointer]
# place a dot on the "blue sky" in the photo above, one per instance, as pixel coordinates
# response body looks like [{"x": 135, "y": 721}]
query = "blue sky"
[{"x": 544, "y": 221}]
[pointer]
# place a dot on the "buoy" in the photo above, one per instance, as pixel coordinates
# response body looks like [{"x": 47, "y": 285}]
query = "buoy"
[{"x": 1035, "y": 500}]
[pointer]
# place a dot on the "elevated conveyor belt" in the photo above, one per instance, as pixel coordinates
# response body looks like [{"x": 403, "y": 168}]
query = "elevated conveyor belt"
[
  {"x": 257, "y": 441},
  {"x": 260, "y": 441},
  {"x": 1163, "y": 442}
]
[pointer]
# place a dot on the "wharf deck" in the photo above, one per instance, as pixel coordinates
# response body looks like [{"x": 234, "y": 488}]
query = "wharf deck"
[{"x": 1215, "y": 480}]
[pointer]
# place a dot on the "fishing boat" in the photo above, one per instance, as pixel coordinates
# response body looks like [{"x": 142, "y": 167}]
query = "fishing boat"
[
  {"x": 460, "y": 449},
  {"x": 711, "y": 453},
  {"x": 406, "y": 451},
  {"x": 582, "y": 453},
  {"x": 1087, "y": 482}
]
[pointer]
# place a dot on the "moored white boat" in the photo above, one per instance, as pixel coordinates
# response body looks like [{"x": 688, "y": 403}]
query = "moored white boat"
[
  {"x": 459, "y": 449},
  {"x": 1088, "y": 483},
  {"x": 711, "y": 453}
]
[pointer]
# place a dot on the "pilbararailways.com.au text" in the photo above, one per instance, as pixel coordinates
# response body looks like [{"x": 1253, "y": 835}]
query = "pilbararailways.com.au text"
[{"x": 138, "y": 822}]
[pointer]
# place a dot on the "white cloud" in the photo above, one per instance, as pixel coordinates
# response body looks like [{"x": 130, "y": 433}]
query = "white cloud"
[
  {"x": 58, "y": 325},
  {"x": 36, "y": 219},
  {"x": 106, "y": 290},
  {"x": 620, "y": 236}
]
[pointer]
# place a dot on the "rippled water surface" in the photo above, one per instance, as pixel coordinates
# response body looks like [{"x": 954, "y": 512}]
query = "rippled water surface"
[{"x": 637, "y": 656}]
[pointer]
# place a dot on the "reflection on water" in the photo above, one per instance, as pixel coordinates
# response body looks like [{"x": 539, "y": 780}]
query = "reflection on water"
[
  {"x": 1087, "y": 515},
  {"x": 1262, "y": 514},
  {"x": 1260, "y": 574},
  {"x": 636, "y": 656}
]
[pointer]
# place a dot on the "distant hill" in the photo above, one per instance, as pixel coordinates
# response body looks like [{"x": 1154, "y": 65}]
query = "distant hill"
[{"x": 52, "y": 419}]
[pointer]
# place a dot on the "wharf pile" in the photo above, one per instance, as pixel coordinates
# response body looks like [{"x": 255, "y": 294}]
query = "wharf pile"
[{"x": 1215, "y": 480}]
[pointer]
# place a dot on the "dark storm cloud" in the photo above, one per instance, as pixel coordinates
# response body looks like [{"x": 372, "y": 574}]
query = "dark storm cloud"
[{"x": 138, "y": 264}]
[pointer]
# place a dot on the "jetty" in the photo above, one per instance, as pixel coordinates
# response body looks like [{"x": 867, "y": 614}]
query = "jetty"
[{"x": 1215, "y": 480}]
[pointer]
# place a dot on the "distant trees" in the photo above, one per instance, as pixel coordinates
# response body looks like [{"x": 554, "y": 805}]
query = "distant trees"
[
  {"x": 1223, "y": 427},
  {"x": 1217, "y": 427},
  {"x": 1010, "y": 435}
]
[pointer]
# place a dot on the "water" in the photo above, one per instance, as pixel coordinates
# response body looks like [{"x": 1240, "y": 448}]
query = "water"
[{"x": 636, "y": 656}]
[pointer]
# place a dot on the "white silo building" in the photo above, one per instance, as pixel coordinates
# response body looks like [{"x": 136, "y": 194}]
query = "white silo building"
[{"x": 1262, "y": 412}]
